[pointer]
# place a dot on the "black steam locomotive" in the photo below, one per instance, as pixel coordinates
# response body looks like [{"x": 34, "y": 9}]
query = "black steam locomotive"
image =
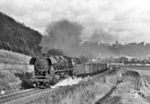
[{"x": 49, "y": 70}]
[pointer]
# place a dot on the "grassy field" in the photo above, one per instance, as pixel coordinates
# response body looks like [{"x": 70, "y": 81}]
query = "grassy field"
[{"x": 13, "y": 68}]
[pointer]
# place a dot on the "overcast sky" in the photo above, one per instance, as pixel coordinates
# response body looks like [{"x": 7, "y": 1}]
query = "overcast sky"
[{"x": 127, "y": 20}]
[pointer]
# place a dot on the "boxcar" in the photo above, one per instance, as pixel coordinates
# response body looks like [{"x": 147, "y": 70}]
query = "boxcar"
[{"x": 91, "y": 68}]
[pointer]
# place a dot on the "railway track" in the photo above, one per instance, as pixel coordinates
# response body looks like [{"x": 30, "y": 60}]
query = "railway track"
[{"x": 20, "y": 94}]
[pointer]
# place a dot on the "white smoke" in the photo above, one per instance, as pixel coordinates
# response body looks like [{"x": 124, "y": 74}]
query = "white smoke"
[{"x": 69, "y": 82}]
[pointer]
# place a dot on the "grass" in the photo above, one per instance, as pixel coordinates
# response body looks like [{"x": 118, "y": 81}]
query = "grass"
[
  {"x": 9, "y": 57},
  {"x": 8, "y": 80}
]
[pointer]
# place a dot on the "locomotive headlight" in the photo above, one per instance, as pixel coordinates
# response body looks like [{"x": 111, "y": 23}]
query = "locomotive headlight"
[{"x": 34, "y": 85}]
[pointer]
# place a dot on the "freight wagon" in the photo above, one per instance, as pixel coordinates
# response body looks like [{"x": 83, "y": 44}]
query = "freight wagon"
[{"x": 91, "y": 68}]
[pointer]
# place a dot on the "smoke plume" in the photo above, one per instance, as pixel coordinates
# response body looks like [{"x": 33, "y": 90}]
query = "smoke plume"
[
  {"x": 64, "y": 35},
  {"x": 102, "y": 36},
  {"x": 68, "y": 36}
]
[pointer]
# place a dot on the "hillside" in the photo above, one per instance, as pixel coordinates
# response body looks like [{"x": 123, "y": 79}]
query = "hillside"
[
  {"x": 16, "y": 37},
  {"x": 8, "y": 57},
  {"x": 14, "y": 70}
]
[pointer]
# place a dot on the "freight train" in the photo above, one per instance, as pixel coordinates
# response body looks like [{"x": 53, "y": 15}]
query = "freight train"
[{"x": 49, "y": 70}]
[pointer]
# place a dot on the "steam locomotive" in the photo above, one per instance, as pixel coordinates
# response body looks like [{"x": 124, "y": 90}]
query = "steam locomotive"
[{"x": 49, "y": 70}]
